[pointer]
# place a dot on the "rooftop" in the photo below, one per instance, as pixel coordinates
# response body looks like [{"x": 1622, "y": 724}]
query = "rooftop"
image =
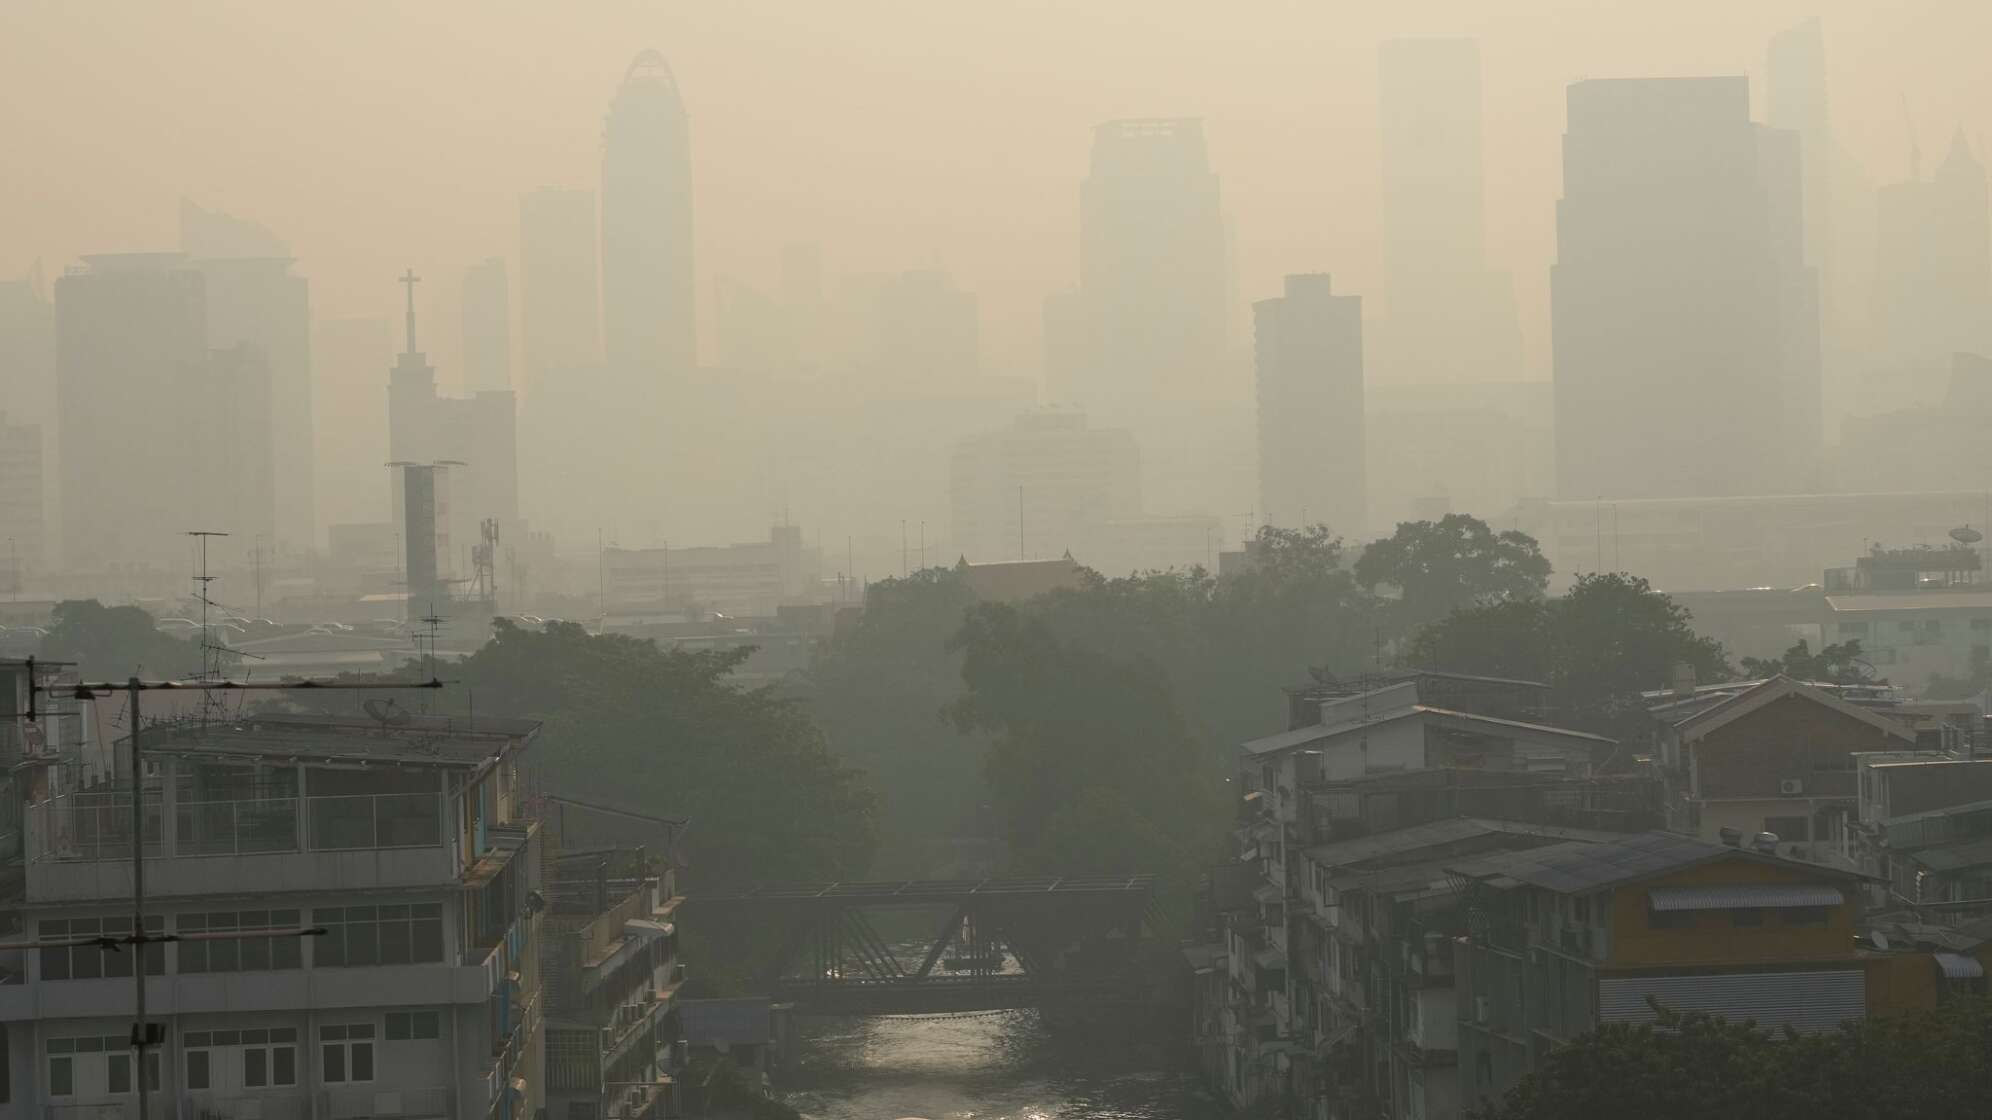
[
  {"x": 1402, "y": 840},
  {"x": 1301, "y": 736},
  {"x": 415, "y": 740},
  {"x": 1573, "y": 867}
]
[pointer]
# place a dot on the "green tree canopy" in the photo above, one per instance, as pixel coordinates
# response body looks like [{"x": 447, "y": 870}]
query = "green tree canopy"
[
  {"x": 1935, "y": 1063},
  {"x": 112, "y": 643},
  {"x": 668, "y": 731},
  {"x": 1597, "y": 647},
  {"x": 1836, "y": 664},
  {"x": 1454, "y": 562}
]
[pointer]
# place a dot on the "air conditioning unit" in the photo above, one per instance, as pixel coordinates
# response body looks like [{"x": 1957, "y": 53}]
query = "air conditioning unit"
[
  {"x": 1791, "y": 787},
  {"x": 1483, "y": 1009}
]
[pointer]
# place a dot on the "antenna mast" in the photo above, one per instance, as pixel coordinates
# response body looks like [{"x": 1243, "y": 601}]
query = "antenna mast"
[{"x": 210, "y": 662}]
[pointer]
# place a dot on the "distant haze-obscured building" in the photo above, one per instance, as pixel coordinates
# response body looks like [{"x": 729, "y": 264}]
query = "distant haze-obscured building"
[
  {"x": 1684, "y": 314},
  {"x": 23, "y": 520},
  {"x": 739, "y": 580},
  {"x": 487, "y": 327},
  {"x": 1309, "y": 346},
  {"x": 559, "y": 282},
  {"x": 647, "y": 284},
  {"x": 1933, "y": 284},
  {"x": 1046, "y": 485}
]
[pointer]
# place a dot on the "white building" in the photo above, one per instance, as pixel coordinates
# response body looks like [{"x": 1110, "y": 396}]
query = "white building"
[{"x": 407, "y": 843}]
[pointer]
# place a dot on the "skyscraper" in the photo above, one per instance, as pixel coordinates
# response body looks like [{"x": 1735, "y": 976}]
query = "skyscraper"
[
  {"x": 131, "y": 337},
  {"x": 1933, "y": 283},
  {"x": 647, "y": 287},
  {"x": 254, "y": 300},
  {"x": 1684, "y": 315},
  {"x": 1152, "y": 268},
  {"x": 1309, "y": 349},
  {"x": 487, "y": 326},
  {"x": 1448, "y": 317},
  {"x": 559, "y": 279}
]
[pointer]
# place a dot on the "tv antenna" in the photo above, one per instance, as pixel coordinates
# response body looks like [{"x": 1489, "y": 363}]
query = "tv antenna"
[{"x": 210, "y": 652}]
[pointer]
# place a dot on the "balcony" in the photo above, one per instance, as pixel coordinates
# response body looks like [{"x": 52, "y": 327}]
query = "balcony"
[{"x": 79, "y": 845}]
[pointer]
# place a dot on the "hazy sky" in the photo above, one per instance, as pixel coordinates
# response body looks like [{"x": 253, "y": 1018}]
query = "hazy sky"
[{"x": 378, "y": 135}]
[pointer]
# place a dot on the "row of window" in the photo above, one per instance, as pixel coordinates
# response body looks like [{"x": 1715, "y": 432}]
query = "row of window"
[
  {"x": 1746, "y": 916},
  {"x": 232, "y": 1059},
  {"x": 407, "y": 933}
]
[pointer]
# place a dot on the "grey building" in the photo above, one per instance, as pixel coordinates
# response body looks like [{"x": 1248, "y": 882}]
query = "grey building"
[
  {"x": 647, "y": 285},
  {"x": 1681, "y": 280},
  {"x": 1309, "y": 348}
]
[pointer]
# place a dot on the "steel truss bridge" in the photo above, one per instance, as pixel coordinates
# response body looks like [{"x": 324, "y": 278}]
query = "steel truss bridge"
[{"x": 990, "y": 944}]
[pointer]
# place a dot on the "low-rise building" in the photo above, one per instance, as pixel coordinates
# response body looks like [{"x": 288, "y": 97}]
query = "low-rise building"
[{"x": 407, "y": 843}]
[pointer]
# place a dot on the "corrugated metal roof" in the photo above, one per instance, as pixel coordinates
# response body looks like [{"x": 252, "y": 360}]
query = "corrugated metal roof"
[
  {"x": 1579, "y": 866},
  {"x": 1743, "y": 895},
  {"x": 1805, "y": 1001},
  {"x": 1957, "y": 966},
  {"x": 1955, "y": 857}
]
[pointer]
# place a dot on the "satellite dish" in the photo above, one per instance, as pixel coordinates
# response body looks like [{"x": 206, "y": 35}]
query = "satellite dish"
[
  {"x": 387, "y": 712},
  {"x": 1965, "y": 534}
]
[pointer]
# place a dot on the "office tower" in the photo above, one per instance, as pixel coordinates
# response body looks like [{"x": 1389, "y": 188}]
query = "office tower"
[
  {"x": 131, "y": 339},
  {"x": 1447, "y": 316},
  {"x": 1309, "y": 348},
  {"x": 1684, "y": 316},
  {"x": 1152, "y": 267},
  {"x": 23, "y": 516},
  {"x": 924, "y": 329},
  {"x": 347, "y": 356},
  {"x": 1795, "y": 100},
  {"x": 487, "y": 327},
  {"x": 559, "y": 274},
  {"x": 1933, "y": 283},
  {"x": 647, "y": 286},
  {"x": 1046, "y": 485}
]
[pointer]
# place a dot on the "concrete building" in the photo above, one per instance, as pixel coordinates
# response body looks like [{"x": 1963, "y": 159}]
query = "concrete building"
[
  {"x": 744, "y": 580},
  {"x": 1680, "y": 280},
  {"x": 23, "y": 519},
  {"x": 487, "y": 327},
  {"x": 1918, "y": 613},
  {"x": 1933, "y": 284},
  {"x": 1044, "y": 486},
  {"x": 1447, "y": 316},
  {"x": 254, "y": 301},
  {"x": 1775, "y": 758},
  {"x": 1309, "y": 349},
  {"x": 559, "y": 283},
  {"x": 648, "y": 323},
  {"x": 1573, "y": 936},
  {"x": 407, "y": 842},
  {"x": 131, "y": 335}
]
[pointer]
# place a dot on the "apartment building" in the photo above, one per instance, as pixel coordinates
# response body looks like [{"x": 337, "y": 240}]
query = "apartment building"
[{"x": 407, "y": 842}]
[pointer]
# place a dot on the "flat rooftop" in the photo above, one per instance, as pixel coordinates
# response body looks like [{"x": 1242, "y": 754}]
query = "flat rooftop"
[{"x": 414, "y": 740}]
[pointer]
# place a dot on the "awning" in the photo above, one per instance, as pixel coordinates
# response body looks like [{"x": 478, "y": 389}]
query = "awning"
[
  {"x": 1744, "y": 895},
  {"x": 644, "y": 926},
  {"x": 1269, "y": 958},
  {"x": 1957, "y": 966}
]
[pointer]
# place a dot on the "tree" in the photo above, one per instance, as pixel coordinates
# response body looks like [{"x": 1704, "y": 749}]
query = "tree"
[
  {"x": 1597, "y": 647},
  {"x": 1833, "y": 664},
  {"x": 878, "y": 689},
  {"x": 667, "y": 730},
  {"x": 1092, "y": 769},
  {"x": 1931, "y": 1063},
  {"x": 112, "y": 643},
  {"x": 1454, "y": 562}
]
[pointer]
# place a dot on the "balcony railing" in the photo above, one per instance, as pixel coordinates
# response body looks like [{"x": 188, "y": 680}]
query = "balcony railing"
[{"x": 97, "y": 826}]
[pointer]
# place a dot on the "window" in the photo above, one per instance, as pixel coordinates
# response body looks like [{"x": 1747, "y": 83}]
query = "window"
[
  {"x": 90, "y": 962},
  {"x": 260, "y": 1058},
  {"x": 249, "y": 954},
  {"x": 97, "y": 1065},
  {"x": 364, "y": 935},
  {"x": 346, "y": 1053},
  {"x": 1746, "y": 916},
  {"x": 1859, "y": 629},
  {"x": 61, "y": 1073},
  {"x": 404, "y": 1025},
  {"x": 1805, "y": 915}
]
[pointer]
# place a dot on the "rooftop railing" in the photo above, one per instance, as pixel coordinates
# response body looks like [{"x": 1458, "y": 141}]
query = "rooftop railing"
[{"x": 97, "y": 826}]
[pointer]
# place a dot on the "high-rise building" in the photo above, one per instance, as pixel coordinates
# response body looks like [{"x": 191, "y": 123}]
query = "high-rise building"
[
  {"x": 1447, "y": 316},
  {"x": 1046, "y": 485},
  {"x": 1934, "y": 263},
  {"x": 1795, "y": 100},
  {"x": 648, "y": 323},
  {"x": 559, "y": 277},
  {"x": 1152, "y": 267},
  {"x": 1684, "y": 315},
  {"x": 131, "y": 338},
  {"x": 23, "y": 517},
  {"x": 487, "y": 327},
  {"x": 1309, "y": 346}
]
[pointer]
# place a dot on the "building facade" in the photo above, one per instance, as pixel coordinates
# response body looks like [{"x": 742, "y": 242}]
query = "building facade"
[
  {"x": 648, "y": 323},
  {"x": 1308, "y": 345}
]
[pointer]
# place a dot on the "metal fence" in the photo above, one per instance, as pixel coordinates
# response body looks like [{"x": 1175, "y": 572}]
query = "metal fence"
[
  {"x": 382, "y": 820},
  {"x": 97, "y": 826},
  {"x": 215, "y": 828}
]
